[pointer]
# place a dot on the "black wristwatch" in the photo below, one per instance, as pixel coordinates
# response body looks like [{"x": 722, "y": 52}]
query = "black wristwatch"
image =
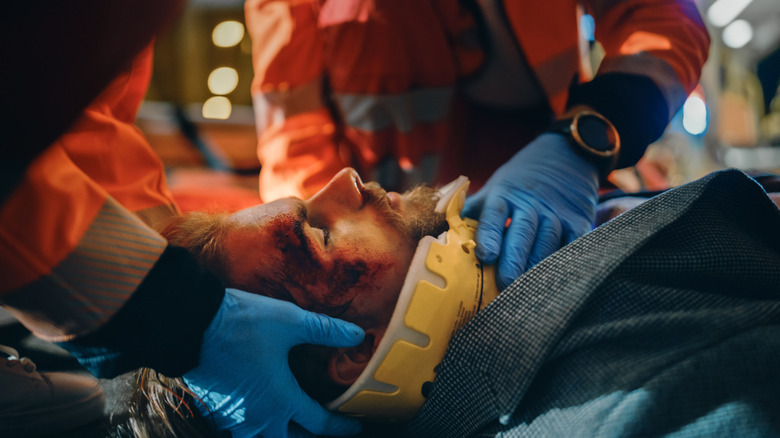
[{"x": 593, "y": 137}]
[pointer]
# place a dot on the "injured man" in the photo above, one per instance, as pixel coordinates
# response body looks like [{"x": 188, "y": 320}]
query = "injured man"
[{"x": 663, "y": 321}]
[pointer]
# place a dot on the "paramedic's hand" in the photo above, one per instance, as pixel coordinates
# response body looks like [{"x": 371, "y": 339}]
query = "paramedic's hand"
[
  {"x": 244, "y": 376},
  {"x": 550, "y": 194}
]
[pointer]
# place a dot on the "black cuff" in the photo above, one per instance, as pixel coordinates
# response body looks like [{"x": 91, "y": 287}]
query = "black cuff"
[
  {"x": 633, "y": 103},
  {"x": 161, "y": 326}
]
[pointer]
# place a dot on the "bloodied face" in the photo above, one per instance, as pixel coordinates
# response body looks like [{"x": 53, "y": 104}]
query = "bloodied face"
[{"x": 344, "y": 252}]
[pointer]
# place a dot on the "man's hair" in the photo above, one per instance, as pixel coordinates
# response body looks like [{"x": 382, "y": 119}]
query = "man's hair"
[{"x": 202, "y": 234}]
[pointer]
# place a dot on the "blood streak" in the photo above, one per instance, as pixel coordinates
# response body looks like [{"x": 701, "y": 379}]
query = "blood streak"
[{"x": 311, "y": 284}]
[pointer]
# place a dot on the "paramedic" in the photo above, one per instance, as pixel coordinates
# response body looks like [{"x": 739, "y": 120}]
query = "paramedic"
[
  {"x": 404, "y": 91},
  {"x": 80, "y": 262}
]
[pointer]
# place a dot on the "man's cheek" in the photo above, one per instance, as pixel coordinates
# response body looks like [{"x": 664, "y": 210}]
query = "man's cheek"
[{"x": 333, "y": 290}]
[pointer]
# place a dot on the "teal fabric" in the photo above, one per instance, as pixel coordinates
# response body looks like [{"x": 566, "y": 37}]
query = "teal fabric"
[{"x": 662, "y": 322}]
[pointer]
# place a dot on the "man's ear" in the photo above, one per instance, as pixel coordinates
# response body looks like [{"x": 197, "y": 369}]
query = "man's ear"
[{"x": 346, "y": 364}]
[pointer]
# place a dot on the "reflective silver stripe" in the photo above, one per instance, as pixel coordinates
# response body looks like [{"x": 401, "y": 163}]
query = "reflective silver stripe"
[
  {"x": 402, "y": 111},
  {"x": 93, "y": 281},
  {"x": 156, "y": 215},
  {"x": 274, "y": 107},
  {"x": 662, "y": 74}
]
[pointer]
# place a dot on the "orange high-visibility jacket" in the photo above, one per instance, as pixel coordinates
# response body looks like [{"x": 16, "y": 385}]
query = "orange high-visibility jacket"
[
  {"x": 72, "y": 234},
  {"x": 76, "y": 245},
  {"x": 350, "y": 82}
]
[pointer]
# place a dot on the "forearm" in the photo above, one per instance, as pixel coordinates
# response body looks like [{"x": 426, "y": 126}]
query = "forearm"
[
  {"x": 652, "y": 61},
  {"x": 632, "y": 103},
  {"x": 118, "y": 299},
  {"x": 161, "y": 326},
  {"x": 79, "y": 264}
]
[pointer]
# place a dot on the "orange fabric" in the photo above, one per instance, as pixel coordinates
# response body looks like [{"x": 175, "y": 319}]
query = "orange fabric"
[
  {"x": 45, "y": 217},
  {"x": 381, "y": 48},
  {"x": 367, "y": 50},
  {"x": 102, "y": 156},
  {"x": 677, "y": 21},
  {"x": 112, "y": 151},
  {"x": 299, "y": 157},
  {"x": 644, "y": 42},
  {"x": 671, "y": 31},
  {"x": 58, "y": 56},
  {"x": 410, "y": 146},
  {"x": 548, "y": 33},
  {"x": 361, "y": 48},
  {"x": 286, "y": 46},
  {"x": 395, "y": 47},
  {"x": 215, "y": 199}
]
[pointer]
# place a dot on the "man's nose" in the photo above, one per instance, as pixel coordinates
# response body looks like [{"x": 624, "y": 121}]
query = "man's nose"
[{"x": 343, "y": 190}]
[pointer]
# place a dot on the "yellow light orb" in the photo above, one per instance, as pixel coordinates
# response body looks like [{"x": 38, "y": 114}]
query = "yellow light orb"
[
  {"x": 223, "y": 80},
  {"x": 227, "y": 33},
  {"x": 217, "y": 107}
]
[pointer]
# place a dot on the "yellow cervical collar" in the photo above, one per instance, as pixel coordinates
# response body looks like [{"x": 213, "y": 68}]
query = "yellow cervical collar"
[{"x": 445, "y": 287}]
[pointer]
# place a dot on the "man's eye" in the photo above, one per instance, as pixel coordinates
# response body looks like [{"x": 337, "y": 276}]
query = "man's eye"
[{"x": 325, "y": 236}]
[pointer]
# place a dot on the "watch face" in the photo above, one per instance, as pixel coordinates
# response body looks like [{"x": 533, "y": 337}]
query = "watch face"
[{"x": 596, "y": 133}]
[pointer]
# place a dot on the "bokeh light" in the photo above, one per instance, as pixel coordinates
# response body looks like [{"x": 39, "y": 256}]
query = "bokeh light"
[
  {"x": 217, "y": 107},
  {"x": 737, "y": 34},
  {"x": 223, "y": 80},
  {"x": 588, "y": 27},
  {"x": 227, "y": 33},
  {"x": 722, "y": 12},
  {"x": 695, "y": 115}
]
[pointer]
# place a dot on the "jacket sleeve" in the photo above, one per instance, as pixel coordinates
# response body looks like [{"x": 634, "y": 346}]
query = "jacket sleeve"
[
  {"x": 349, "y": 82},
  {"x": 81, "y": 269},
  {"x": 59, "y": 66},
  {"x": 160, "y": 326},
  {"x": 654, "y": 52},
  {"x": 296, "y": 146},
  {"x": 80, "y": 262}
]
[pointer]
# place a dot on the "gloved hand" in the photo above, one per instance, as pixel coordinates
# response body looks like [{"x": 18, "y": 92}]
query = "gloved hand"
[
  {"x": 550, "y": 193},
  {"x": 244, "y": 376}
]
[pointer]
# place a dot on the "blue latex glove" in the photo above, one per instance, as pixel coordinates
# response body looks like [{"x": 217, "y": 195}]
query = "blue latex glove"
[
  {"x": 550, "y": 193},
  {"x": 244, "y": 376}
]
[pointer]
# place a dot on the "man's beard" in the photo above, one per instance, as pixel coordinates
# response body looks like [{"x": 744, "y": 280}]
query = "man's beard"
[
  {"x": 422, "y": 219},
  {"x": 419, "y": 218}
]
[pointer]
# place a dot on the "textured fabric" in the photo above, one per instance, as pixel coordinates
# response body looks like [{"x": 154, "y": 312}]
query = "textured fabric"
[
  {"x": 365, "y": 83},
  {"x": 663, "y": 321},
  {"x": 146, "y": 332},
  {"x": 350, "y": 82},
  {"x": 71, "y": 245},
  {"x": 79, "y": 257},
  {"x": 93, "y": 281}
]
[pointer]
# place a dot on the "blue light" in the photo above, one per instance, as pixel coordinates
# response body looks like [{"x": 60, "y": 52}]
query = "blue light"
[{"x": 588, "y": 27}]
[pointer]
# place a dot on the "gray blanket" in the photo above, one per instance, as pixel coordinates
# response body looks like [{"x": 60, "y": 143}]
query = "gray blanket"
[{"x": 662, "y": 322}]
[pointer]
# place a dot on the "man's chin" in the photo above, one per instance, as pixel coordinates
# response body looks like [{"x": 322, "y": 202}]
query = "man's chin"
[{"x": 419, "y": 213}]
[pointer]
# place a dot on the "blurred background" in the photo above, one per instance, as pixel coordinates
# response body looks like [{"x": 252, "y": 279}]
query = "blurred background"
[{"x": 198, "y": 115}]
